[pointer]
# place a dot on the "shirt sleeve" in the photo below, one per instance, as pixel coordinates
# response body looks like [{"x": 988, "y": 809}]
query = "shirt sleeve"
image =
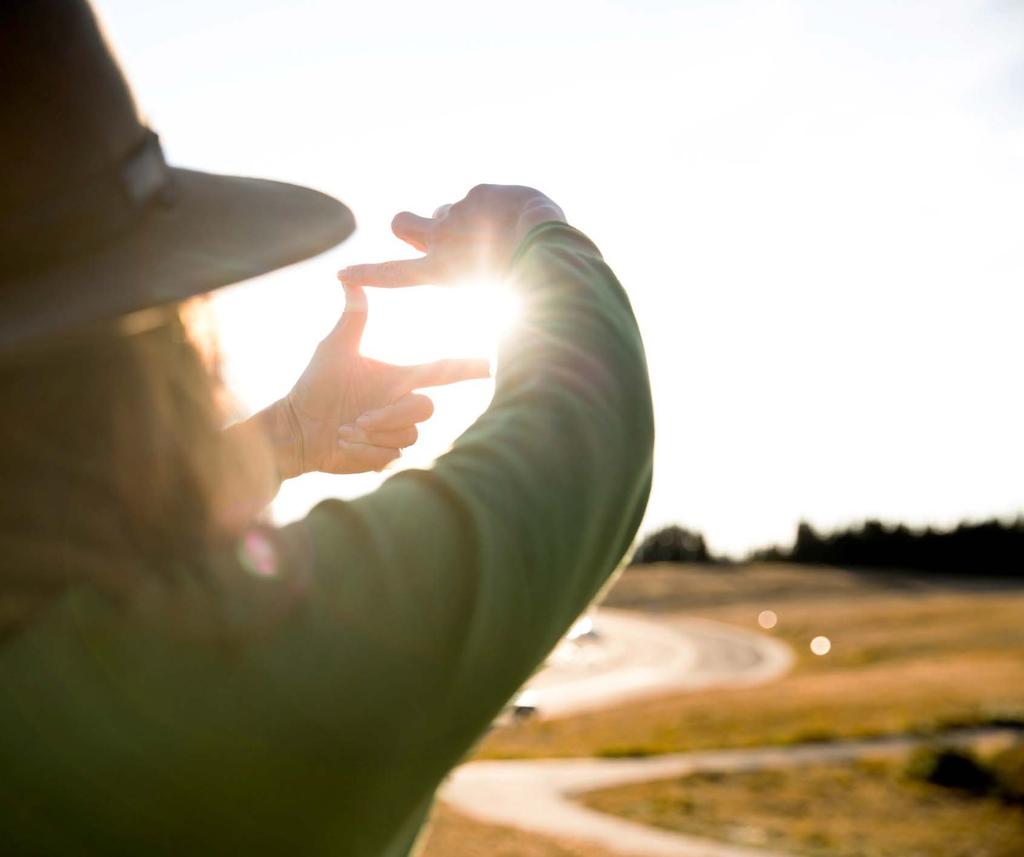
[{"x": 434, "y": 598}]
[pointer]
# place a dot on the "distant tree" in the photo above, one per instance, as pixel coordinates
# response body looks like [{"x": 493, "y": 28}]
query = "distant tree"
[
  {"x": 987, "y": 548},
  {"x": 808, "y": 546},
  {"x": 672, "y": 544}
]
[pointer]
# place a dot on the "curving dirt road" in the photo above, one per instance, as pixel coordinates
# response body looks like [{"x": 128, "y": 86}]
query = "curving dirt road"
[
  {"x": 633, "y": 656},
  {"x": 537, "y": 795}
]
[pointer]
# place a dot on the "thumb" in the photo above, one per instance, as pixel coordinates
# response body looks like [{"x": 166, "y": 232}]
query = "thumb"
[{"x": 348, "y": 332}]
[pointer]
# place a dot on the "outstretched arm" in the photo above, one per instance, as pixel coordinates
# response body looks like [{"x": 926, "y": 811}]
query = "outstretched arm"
[
  {"x": 435, "y": 597},
  {"x": 352, "y": 658}
]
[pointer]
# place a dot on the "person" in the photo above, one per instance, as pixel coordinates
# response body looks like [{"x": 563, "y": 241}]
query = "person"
[{"x": 178, "y": 677}]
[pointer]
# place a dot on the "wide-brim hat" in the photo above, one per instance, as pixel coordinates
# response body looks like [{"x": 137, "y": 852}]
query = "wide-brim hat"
[{"x": 93, "y": 222}]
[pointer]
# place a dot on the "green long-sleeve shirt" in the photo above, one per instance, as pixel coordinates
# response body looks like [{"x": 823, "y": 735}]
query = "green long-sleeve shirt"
[{"x": 309, "y": 697}]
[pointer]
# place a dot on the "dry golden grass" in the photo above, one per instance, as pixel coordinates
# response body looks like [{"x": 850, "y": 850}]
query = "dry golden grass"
[
  {"x": 865, "y": 809},
  {"x": 906, "y": 655}
]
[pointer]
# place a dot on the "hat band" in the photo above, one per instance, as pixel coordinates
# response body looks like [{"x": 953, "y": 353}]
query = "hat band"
[{"x": 89, "y": 214}]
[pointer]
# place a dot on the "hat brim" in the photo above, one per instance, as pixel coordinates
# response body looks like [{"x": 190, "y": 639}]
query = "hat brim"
[{"x": 219, "y": 230}]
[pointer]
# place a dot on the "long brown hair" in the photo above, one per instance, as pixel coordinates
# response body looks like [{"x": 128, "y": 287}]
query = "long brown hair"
[{"x": 114, "y": 464}]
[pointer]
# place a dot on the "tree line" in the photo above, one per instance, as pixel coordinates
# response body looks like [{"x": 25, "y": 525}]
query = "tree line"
[{"x": 988, "y": 548}]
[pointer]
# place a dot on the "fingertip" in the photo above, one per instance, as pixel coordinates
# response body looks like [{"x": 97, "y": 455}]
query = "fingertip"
[
  {"x": 355, "y": 297},
  {"x": 424, "y": 408},
  {"x": 352, "y": 277},
  {"x": 358, "y": 277},
  {"x": 399, "y": 221},
  {"x": 413, "y": 229}
]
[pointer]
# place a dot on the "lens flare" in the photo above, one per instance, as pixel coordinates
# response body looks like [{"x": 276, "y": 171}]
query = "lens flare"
[{"x": 257, "y": 554}]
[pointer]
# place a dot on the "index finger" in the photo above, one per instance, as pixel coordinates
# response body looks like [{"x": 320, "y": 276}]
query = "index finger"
[
  {"x": 390, "y": 275},
  {"x": 449, "y": 371}
]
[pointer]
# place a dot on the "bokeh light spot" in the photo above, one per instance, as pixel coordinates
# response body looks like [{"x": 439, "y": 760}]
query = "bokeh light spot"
[
  {"x": 767, "y": 619},
  {"x": 821, "y": 645}
]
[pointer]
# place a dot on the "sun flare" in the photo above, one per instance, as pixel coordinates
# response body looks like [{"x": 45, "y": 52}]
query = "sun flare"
[
  {"x": 407, "y": 326},
  {"x": 268, "y": 329}
]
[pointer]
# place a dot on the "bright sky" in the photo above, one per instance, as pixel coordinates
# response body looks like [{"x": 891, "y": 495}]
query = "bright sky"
[{"x": 815, "y": 206}]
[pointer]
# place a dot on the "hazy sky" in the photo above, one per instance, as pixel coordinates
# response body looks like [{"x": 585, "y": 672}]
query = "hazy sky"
[{"x": 816, "y": 207}]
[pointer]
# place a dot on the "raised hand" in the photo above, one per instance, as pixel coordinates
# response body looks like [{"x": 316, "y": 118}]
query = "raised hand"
[
  {"x": 351, "y": 414},
  {"x": 474, "y": 238}
]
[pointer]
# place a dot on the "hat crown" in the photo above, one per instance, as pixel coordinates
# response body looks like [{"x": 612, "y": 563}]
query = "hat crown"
[{"x": 67, "y": 113}]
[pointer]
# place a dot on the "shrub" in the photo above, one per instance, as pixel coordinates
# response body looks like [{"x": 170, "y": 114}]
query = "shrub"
[
  {"x": 672, "y": 544},
  {"x": 951, "y": 768},
  {"x": 627, "y": 751}
]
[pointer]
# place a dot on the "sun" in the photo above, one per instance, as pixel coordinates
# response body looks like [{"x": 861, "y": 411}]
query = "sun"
[
  {"x": 414, "y": 325},
  {"x": 268, "y": 328}
]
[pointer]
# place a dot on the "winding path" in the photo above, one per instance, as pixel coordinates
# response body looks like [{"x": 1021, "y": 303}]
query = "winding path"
[
  {"x": 637, "y": 657},
  {"x": 634, "y": 656},
  {"x": 537, "y": 795}
]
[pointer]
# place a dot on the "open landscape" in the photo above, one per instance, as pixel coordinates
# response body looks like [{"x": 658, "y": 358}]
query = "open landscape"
[
  {"x": 864, "y": 808},
  {"x": 666, "y": 501},
  {"x": 907, "y": 655}
]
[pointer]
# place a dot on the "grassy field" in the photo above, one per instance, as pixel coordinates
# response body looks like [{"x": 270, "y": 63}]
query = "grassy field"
[
  {"x": 452, "y": 835},
  {"x": 907, "y": 654},
  {"x": 862, "y": 809}
]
